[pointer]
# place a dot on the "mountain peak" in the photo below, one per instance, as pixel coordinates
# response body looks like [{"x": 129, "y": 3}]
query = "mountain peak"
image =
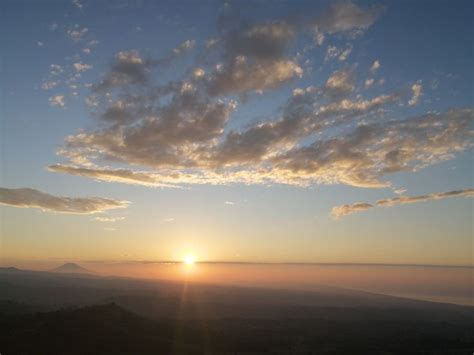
[{"x": 71, "y": 268}]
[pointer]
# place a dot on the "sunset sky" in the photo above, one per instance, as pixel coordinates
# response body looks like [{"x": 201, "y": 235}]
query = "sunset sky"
[{"x": 265, "y": 131}]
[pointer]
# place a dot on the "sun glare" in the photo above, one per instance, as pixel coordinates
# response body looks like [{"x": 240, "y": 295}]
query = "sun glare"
[{"x": 189, "y": 259}]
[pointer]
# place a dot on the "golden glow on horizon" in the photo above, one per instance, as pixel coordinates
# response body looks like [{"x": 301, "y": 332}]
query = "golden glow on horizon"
[{"x": 189, "y": 259}]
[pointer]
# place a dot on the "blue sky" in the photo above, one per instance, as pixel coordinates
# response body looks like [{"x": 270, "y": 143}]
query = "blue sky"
[{"x": 248, "y": 190}]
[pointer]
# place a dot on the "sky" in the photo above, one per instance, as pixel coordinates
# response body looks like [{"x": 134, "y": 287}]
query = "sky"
[{"x": 264, "y": 131}]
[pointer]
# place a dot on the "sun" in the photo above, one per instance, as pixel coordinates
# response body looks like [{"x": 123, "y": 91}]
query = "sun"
[{"x": 189, "y": 259}]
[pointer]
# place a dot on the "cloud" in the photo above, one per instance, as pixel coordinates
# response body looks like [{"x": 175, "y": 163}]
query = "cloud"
[
  {"x": 185, "y": 46},
  {"x": 31, "y": 198},
  {"x": 48, "y": 85},
  {"x": 108, "y": 219},
  {"x": 340, "y": 84},
  {"x": 78, "y": 4},
  {"x": 115, "y": 175},
  {"x": 375, "y": 67},
  {"x": 56, "y": 69},
  {"x": 57, "y": 100},
  {"x": 253, "y": 58},
  {"x": 401, "y": 200},
  {"x": 183, "y": 131},
  {"x": 344, "y": 210},
  {"x": 130, "y": 68},
  {"x": 243, "y": 75},
  {"x": 229, "y": 203},
  {"x": 368, "y": 83},
  {"x": 345, "y": 16},
  {"x": 371, "y": 151},
  {"x": 82, "y": 67},
  {"x": 416, "y": 89},
  {"x": 77, "y": 33}
]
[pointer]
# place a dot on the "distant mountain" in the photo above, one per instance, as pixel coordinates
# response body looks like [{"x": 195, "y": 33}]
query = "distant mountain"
[
  {"x": 9, "y": 269},
  {"x": 71, "y": 268}
]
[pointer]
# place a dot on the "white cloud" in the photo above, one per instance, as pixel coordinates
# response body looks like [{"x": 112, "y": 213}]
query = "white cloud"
[
  {"x": 185, "y": 46},
  {"x": 375, "y": 67},
  {"x": 81, "y": 66},
  {"x": 48, "y": 85},
  {"x": 369, "y": 83},
  {"x": 57, "y": 100},
  {"x": 319, "y": 38},
  {"x": 77, "y": 33},
  {"x": 56, "y": 69},
  {"x": 417, "y": 92},
  {"x": 199, "y": 72},
  {"x": 78, "y": 4}
]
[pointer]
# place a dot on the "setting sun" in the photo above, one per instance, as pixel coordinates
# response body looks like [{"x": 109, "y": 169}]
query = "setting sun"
[{"x": 189, "y": 259}]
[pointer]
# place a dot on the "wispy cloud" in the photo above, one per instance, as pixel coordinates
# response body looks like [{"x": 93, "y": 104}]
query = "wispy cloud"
[
  {"x": 31, "y": 198},
  {"x": 108, "y": 219},
  {"x": 344, "y": 210}
]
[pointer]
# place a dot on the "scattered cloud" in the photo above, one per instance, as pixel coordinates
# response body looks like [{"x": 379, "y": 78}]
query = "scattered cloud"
[
  {"x": 344, "y": 210},
  {"x": 57, "y": 101},
  {"x": 81, "y": 66},
  {"x": 185, "y": 46},
  {"x": 229, "y": 203},
  {"x": 375, "y": 67},
  {"x": 48, "y": 85},
  {"x": 31, "y": 198},
  {"x": 78, "y": 4},
  {"x": 179, "y": 132},
  {"x": 56, "y": 69},
  {"x": 77, "y": 33},
  {"x": 416, "y": 89},
  {"x": 340, "y": 53}
]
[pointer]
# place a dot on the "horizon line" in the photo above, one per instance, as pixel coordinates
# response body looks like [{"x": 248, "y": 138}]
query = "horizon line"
[{"x": 272, "y": 263}]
